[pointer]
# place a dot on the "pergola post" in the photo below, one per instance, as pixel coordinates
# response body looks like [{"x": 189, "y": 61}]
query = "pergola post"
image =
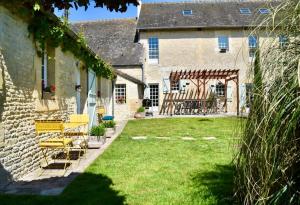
[
  {"x": 198, "y": 94},
  {"x": 237, "y": 95},
  {"x": 204, "y": 95},
  {"x": 171, "y": 97},
  {"x": 225, "y": 87}
]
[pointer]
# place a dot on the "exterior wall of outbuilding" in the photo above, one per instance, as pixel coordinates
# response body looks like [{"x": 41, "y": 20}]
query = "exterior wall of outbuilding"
[{"x": 21, "y": 99}]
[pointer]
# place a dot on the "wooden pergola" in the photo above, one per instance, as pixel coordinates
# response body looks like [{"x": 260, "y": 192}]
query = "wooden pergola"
[{"x": 202, "y": 77}]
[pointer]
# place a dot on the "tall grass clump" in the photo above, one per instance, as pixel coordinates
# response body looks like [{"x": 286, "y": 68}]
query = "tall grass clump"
[{"x": 268, "y": 164}]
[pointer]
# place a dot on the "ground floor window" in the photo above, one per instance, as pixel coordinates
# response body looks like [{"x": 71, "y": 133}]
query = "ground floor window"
[
  {"x": 154, "y": 94},
  {"x": 175, "y": 86},
  {"x": 120, "y": 93},
  {"x": 220, "y": 89}
]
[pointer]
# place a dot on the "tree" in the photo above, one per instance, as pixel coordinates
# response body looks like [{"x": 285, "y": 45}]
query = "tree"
[{"x": 50, "y": 5}]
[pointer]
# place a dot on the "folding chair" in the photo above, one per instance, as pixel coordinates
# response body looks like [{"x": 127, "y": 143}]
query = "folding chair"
[
  {"x": 53, "y": 143},
  {"x": 79, "y": 121}
]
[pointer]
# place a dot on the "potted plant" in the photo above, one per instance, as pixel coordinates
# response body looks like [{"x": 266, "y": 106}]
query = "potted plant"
[
  {"x": 97, "y": 132},
  {"x": 110, "y": 127},
  {"x": 140, "y": 113},
  {"x": 49, "y": 92}
]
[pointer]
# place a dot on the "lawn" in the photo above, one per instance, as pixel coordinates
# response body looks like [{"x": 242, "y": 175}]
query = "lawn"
[{"x": 161, "y": 169}]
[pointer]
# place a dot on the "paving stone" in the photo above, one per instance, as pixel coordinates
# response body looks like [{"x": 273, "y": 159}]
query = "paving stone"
[
  {"x": 188, "y": 138},
  {"x": 139, "y": 138},
  {"x": 209, "y": 138},
  {"x": 163, "y": 138}
]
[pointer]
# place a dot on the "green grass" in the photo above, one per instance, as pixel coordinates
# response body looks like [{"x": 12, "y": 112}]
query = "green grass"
[{"x": 156, "y": 171}]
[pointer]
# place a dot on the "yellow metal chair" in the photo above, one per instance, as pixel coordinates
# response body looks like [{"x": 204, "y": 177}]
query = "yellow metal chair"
[
  {"x": 53, "y": 143},
  {"x": 81, "y": 122}
]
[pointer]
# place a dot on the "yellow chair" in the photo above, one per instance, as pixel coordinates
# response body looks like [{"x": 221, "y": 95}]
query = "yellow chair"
[
  {"x": 78, "y": 121},
  {"x": 59, "y": 142}
]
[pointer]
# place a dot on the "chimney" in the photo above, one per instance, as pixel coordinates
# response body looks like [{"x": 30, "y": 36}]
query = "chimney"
[{"x": 139, "y": 9}]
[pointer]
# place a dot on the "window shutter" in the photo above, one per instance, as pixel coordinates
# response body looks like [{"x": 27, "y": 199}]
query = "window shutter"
[
  {"x": 242, "y": 95},
  {"x": 147, "y": 93},
  {"x": 166, "y": 85},
  {"x": 212, "y": 88},
  {"x": 229, "y": 93}
]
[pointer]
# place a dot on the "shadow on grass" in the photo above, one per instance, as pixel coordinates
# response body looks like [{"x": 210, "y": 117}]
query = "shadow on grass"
[
  {"x": 204, "y": 120},
  {"x": 86, "y": 189},
  {"x": 219, "y": 184}
]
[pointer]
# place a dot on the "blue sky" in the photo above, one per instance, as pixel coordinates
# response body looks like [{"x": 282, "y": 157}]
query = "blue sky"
[{"x": 102, "y": 13}]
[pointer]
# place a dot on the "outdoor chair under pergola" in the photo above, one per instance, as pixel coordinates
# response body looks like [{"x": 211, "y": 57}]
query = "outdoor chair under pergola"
[{"x": 198, "y": 102}]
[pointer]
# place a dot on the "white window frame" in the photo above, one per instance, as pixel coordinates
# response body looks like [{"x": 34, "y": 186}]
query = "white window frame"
[
  {"x": 175, "y": 88},
  {"x": 153, "y": 59},
  {"x": 283, "y": 41},
  {"x": 252, "y": 47},
  {"x": 187, "y": 12},
  {"x": 264, "y": 11},
  {"x": 219, "y": 92},
  {"x": 120, "y": 91},
  {"x": 44, "y": 70},
  {"x": 245, "y": 11},
  {"x": 221, "y": 45}
]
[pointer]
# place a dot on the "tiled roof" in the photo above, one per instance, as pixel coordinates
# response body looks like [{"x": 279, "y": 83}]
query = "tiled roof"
[
  {"x": 113, "y": 40},
  {"x": 217, "y": 14}
]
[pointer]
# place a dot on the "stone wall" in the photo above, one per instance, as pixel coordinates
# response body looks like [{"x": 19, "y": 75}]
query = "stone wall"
[
  {"x": 133, "y": 99},
  {"x": 194, "y": 50},
  {"x": 20, "y": 97}
]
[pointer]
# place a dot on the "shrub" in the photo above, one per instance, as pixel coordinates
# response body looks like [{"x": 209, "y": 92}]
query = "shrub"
[
  {"x": 97, "y": 130},
  {"x": 268, "y": 162},
  {"x": 141, "y": 109},
  {"x": 109, "y": 124}
]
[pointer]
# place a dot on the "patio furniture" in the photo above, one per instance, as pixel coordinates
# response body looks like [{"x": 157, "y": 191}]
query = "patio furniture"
[
  {"x": 102, "y": 117},
  {"x": 59, "y": 142},
  {"x": 79, "y": 122}
]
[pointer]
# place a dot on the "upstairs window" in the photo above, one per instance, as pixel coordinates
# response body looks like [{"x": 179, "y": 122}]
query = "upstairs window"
[
  {"x": 120, "y": 93},
  {"x": 252, "y": 42},
  {"x": 153, "y": 49},
  {"x": 283, "y": 41},
  {"x": 245, "y": 11},
  {"x": 187, "y": 12},
  {"x": 264, "y": 11},
  {"x": 223, "y": 43}
]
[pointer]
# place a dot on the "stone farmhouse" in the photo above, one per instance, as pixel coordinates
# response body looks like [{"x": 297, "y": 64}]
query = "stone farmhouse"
[
  {"x": 188, "y": 36},
  {"x": 145, "y": 52}
]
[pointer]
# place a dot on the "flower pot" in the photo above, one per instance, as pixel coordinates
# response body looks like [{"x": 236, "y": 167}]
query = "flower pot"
[
  {"x": 109, "y": 132},
  {"x": 95, "y": 142}
]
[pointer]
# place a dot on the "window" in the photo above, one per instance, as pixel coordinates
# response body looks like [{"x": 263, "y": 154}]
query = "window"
[
  {"x": 220, "y": 89},
  {"x": 223, "y": 44},
  {"x": 264, "y": 11},
  {"x": 187, "y": 12},
  {"x": 175, "y": 86},
  {"x": 120, "y": 93},
  {"x": 153, "y": 49},
  {"x": 245, "y": 11},
  {"x": 283, "y": 41},
  {"x": 252, "y": 42},
  {"x": 48, "y": 73}
]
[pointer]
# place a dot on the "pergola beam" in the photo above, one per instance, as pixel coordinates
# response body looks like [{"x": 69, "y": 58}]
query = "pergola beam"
[{"x": 202, "y": 77}]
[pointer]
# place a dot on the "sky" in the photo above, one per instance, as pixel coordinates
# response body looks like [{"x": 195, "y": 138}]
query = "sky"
[{"x": 102, "y": 13}]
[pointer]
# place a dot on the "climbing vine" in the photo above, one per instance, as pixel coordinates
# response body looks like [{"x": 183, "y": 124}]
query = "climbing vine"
[{"x": 47, "y": 30}]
